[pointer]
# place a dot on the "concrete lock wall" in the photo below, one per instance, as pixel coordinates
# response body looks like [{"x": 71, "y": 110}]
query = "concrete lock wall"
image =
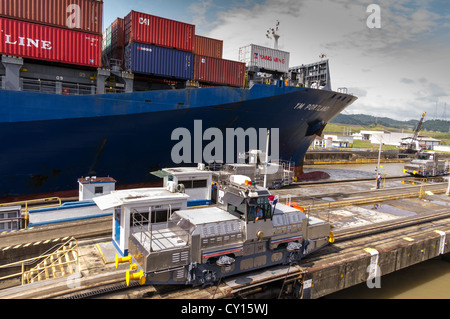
[{"x": 340, "y": 273}]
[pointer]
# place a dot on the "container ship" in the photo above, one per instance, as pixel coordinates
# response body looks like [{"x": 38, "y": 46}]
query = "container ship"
[{"x": 76, "y": 101}]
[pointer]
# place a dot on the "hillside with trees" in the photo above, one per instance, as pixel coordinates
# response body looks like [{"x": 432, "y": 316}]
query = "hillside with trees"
[{"x": 369, "y": 121}]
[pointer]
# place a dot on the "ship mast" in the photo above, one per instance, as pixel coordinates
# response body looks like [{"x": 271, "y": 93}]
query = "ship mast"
[{"x": 273, "y": 34}]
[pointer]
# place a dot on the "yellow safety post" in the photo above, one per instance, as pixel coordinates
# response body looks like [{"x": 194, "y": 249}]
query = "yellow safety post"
[
  {"x": 331, "y": 237},
  {"x": 122, "y": 260},
  {"x": 26, "y": 219},
  {"x": 136, "y": 276}
]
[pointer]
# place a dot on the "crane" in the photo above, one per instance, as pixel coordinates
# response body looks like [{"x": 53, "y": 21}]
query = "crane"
[
  {"x": 274, "y": 32},
  {"x": 410, "y": 145}
]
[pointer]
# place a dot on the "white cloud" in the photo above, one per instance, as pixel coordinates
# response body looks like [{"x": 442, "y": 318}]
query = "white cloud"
[
  {"x": 199, "y": 10},
  {"x": 374, "y": 62}
]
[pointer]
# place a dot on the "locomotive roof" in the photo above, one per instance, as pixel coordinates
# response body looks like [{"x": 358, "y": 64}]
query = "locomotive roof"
[
  {"x": 207, "y": 215},
  {"x": 117, "y": 198}
]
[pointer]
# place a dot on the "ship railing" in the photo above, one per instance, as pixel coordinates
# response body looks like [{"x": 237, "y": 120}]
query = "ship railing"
[
  {"x": 155, "y": 236},
  {"x": 56, "y": 87},
  {"x": 114, "y": 89},
  {"x": 32, "y": 85},
  {"x": 77, "y": 89},
  {"x": 215, "y": 167},
  {"x": 27, "y": 205}
]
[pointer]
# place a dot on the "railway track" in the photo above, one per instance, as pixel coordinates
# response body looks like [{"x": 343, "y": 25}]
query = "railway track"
[
  {"x": 334, "y": 200},
  {"x": 102, "y": 226},
  {"x": 221, "y": 290},
  {"x": 391, "y": 225},
  {"x": 89, "y": 228}
]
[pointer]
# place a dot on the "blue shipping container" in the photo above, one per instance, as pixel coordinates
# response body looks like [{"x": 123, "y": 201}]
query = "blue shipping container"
[{"x": 150, "y": 59}]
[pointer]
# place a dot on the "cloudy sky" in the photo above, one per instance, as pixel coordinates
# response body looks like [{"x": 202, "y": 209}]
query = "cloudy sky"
[{"x": 399, "y": 70}]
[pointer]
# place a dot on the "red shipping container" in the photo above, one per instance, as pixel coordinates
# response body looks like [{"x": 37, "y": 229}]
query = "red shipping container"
[
  {"x": 35, "y": 41},
  {"x": 208, "y": 47},
  {"x": 149, "y": 29},
  {"x": 219, "y": 71},
  {"x": 79, "y": 15}
]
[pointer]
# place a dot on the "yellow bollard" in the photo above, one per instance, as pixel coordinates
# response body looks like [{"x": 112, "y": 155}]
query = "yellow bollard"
[
  {"x": 136, "y": 276},
  {"x": 122, "y": 260},
  {"x": 331, "y": 237}
]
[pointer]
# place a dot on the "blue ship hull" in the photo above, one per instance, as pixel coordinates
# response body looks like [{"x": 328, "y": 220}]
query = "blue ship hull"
[{"x": 48, "y": 140}]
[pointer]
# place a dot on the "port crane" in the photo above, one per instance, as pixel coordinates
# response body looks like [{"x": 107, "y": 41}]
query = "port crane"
[{"x": 410, "y": 145}]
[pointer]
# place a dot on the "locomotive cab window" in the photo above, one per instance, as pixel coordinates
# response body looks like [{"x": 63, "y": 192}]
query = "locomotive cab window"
[
  {"x": 142, "y": 218},
  {"x": 238, "y": 211},
  {"x": 194, "y": 184},
  {"x": 259, "y": 209}
]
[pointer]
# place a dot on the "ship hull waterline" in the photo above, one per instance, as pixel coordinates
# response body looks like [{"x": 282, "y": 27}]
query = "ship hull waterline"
[{"x": 48, "y": 155}]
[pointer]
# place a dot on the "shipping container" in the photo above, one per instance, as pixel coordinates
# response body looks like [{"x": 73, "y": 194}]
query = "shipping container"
[
  {"x": 149, "y": 29},
  {"x": 264, "y": 58},
  {"x": 159, "y": 61},
  {"x": 80, "y": 15},
  {"x": 117, "y": 39},
  {"x": 219, "y": 71},
  {"x": 208, "y": 47},
  {"x": 35, "y": 41},
  {"x": 113, "y": 42}
]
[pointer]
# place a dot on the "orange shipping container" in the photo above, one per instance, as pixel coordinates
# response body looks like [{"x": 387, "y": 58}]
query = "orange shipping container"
[
  {"x": 208, "y": 47},
  {"x": 77, "y": 15},
  {"x": 219, "y": 71}
]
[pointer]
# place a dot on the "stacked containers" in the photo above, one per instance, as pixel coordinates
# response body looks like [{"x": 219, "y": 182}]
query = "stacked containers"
[
  {"x": 117, "y": 39},
  {"x": 80, "y": 15},
  {"x": 166, "y": 48},
  {"x": 65, "y": 31},
  {"x": 35, "y": 41},
  {"x": 106, "y": 42},
  {"x": 114, "y": 40},
  {"x": 158, "y": 46},
  {"x": 210, "y": 68}
]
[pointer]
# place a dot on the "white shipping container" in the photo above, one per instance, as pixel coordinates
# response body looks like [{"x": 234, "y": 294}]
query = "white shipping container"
[{"x": 264, "y": 58}]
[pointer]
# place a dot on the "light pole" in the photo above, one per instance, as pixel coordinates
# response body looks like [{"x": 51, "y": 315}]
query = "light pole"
[
  {"x": 448, "y": 189},
  {"x": 378, "y": 179}
]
